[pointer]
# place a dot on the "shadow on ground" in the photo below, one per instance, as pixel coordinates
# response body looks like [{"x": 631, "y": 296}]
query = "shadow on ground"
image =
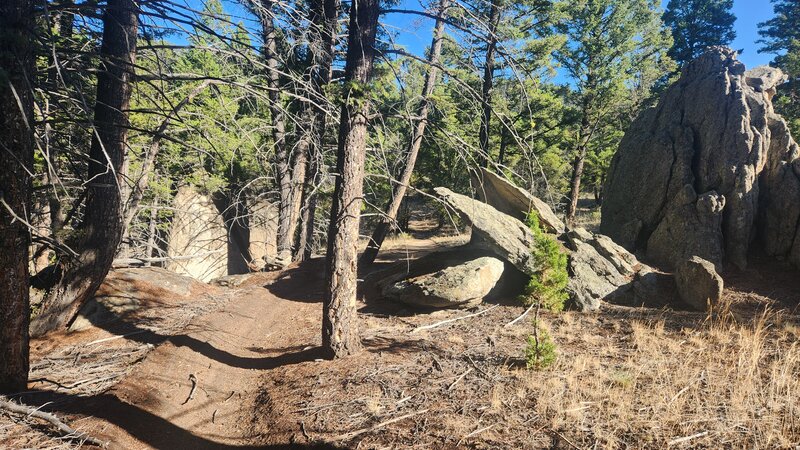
[{"x": 144, "y": 426}]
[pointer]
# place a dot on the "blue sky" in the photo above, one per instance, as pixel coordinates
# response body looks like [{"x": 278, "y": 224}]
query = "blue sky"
[{"x": 414, "y": 33}]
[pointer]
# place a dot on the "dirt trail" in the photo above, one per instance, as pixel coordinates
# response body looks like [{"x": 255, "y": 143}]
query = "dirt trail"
[{"x": 227, "y": 351}]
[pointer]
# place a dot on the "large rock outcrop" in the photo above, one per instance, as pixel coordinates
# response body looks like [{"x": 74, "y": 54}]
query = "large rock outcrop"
[
  {"x": 599, "y": 269},
  {"x": 708, "y": 170}
]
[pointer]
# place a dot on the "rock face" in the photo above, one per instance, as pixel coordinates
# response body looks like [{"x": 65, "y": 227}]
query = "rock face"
[
  {"x": 600, "y": 269},
  {"x": 224, "y": 247},
  {"x": 197, "y": 228},
  {"x": 495, "y": 231},
  {"x": 707, "y": 170},
  {"x": 461, "y": 286},
  {"x": 699, "y": 285},
  {"x": 516, "y": 202}
]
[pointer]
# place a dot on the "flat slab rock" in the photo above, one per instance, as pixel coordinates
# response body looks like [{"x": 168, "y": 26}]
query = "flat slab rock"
[
  {"x": 461, "y": 286},
  {"x": 511, "y": 199},
  {"x": 492, "y": 230}
]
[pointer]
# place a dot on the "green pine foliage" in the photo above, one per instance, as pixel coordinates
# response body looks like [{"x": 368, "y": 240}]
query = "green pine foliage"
[
  {"x": 540, "y": 352},
  {"x": 697, "y": 25},
  {"x": 781, "y": 37},
  {"x": 548, "y": 286}
]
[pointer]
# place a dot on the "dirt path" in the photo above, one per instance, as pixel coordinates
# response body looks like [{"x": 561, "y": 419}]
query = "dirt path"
[{"x": 227, "y": 351}]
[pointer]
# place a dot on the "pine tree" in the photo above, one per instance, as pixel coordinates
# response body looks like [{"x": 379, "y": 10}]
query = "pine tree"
[
  {"x": 339, "y": 318},
  {"x": 781, "y": 36},
  {"x": 609, "y": 44},
  {"x": 697, "y": 25},
  {"x": 16, "y": 158}
]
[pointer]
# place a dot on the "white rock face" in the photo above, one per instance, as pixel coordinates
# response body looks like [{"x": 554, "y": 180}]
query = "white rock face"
[{"x": 197, "y": 229}]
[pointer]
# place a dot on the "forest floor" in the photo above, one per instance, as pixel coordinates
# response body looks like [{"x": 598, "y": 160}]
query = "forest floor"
[{"x": 624, "y": 377}]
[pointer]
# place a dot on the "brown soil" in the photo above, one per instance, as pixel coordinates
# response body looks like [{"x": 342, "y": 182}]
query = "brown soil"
[{"x": 624, "y": 377}]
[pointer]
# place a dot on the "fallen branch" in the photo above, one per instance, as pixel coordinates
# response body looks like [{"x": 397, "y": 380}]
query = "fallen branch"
[
  {"x": 65, "y": 429},
  {"x": 352, "y": 434},
  {"x": 444, "y": 322},
  {"x": 478, "y": 431},
  {"x": 520, "y": 317}
]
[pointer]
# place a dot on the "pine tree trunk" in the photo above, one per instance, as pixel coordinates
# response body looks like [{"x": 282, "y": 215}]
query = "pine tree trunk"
[
  {"x": 102, "y": 227},
  {"x": 488, "y": 84},
  {"x": 382, "y": 229},
  {"x": 282, "y": 166},
  {"x": 577, "y": 169},
  {"x": 16, "y": 159},
  {"x": 324, "y": 15},
  {"x": 340, "y": 335}
]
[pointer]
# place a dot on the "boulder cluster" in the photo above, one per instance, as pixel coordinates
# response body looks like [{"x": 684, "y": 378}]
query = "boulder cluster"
[
  {"x": 700, "y": 180},
  {"x": 501, "y": 242},
  {"x": 709, "y": 172}
]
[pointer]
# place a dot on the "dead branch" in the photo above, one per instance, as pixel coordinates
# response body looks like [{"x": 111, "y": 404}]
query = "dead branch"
[
  {"x": 352, "y": 434},
  {"x": 520, "y": 317},
  {"x": 65, "y": 429},
  {"x": 444, "y": 322}
]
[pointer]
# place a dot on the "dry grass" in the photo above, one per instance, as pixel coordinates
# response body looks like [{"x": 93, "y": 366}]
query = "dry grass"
[{"x": 625, "y": 378}]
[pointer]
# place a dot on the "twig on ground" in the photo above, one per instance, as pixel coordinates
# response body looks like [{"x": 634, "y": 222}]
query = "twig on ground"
[
  {"x": 687, "y": 438},
  {"x": 99, "y": 341},
  {"x": 478, "y": 431},
  {"x": 352, "y": 434},
  {"x": 68, "y": 431},
  {"x": 193, "y": 379},
  {"x": 444, "y": 322},
  {"x": 520, "y": 317},
  {"x": 450, "y": 388}
]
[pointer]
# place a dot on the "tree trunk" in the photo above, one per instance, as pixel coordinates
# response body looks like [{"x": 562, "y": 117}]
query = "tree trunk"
[
  {"x": 16, "y": 160},
  {"x": 324, "y": 15},
  {"x": 379, "y": 235},
  {"x": 102, "y": 227},
  {"x": 340, "y": 320},
  {"x": 577, "y": 168},
  {"x": 282, "y": 167},
  {"x": 488, "y": 83}
]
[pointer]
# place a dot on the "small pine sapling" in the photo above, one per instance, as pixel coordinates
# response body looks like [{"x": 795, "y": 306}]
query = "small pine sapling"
[
  {"x": 540, "y": 352},
  {"x": 548, "y": 286}
]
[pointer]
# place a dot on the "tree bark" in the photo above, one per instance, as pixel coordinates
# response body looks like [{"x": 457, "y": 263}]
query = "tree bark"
[
  {"x": 340, "y": 335},
  {"x": 382, "y": 229},
  {"x": 324, "y": 15},
  {"x": 282, "y": 166},
  {"x": 16, "y": 160},
  {"x": 577, "y": 168},
  {"x": 102, "y": 228},
  {"x": 488, "y": 84}
]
